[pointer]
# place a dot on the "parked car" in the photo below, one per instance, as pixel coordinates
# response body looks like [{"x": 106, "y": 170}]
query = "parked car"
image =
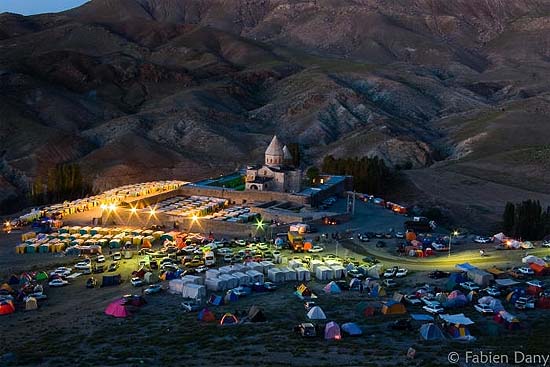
[
  {"x": 470, "y": 286},
  {"x": 169, "y": 267},
  {"x": 225, "y": 251},
  {"x": 525, "y": 270},
  {"x": 270, "y": 286},
  {"x": 242, "y": 291},
  {"x": 399, "y": 235},
  {"x": 401, "y": 272},
  {"x": 354, "y": 273},
  {"x": 546, "y": 243},
  {"x": 113, "y": 266},
  {"x": 154, "y": 288},
  {"x": 439, "y": 246},
  {"x": 201, "y": 269},
  {"x": 58, "y": 283},
  {"x": 438, "y": 274},
  {"x": 306, "y": 329},
  {"x": 525, "y": 303},
  {"x": 99, "y": 269},
  {"x": 484, "y": 309},
  {"x": 434, "y": 309},
  {"x": 117, "y": 256},
  {"x": 136, "y": 282},
  {"x": 412, "y": 299},
  {"x": 195, "y": 263},
  {"x": 527, "y": 245},
  {"x": 391, "y": 272},
  {"x": 100, "y": 258},
  {"x": 389, "y": 283},
  {"x": 536, "y": 283},
  {"x": 61, "y": 271},
  {"x": 492, "y": 291},
  {"x": 363, "y": 237},
  {"x": 83, "y": 266},
  {"x": 482, "y": 240},
  {"x": 190, "y": 306},
  {"x": 315, "y": 249}
]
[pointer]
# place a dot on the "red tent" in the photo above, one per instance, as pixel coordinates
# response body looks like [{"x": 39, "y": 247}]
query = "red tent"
[
  {"x": 543, "y": 302},
  {"x": 539, "y": 269},
  {"x": 6, "y": 307},
  {"x": 117, "y": 309}
]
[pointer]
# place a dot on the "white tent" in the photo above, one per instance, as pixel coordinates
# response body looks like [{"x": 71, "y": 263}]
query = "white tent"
[
  {"x": 290, "y": 274},
  {"x": 255, "y": 276},
  {"x": 232, "y": 282},
  {"x": 338, "y": 271},
  {"x": 314, "y": 264},
  {"x": 225, "y": 269},
  {"x": 499, "y": 236},
  {"x": 276, "y": 275},
  {"x": 323, "y": 273},
  {"x": 194, "y": 291},
  {"x": 242, "y": 277},
  {"x": 192, "y": 279},
  {"x": 316, "y": 313},
  {"x": 175, "y": 286},
  {"x": 216, "y": 284},
  {"x": 302, "y": 274},
  {"x": 295, "y": 263},
  {"x": 266, "y": 265},
  {"x": 212, "y": 273},
  {"x": 252, "y": 265},
  {"x": 458, "y": 319},
  {"x": 237, "y": 267},
  {"x": 374, "y": 271}
]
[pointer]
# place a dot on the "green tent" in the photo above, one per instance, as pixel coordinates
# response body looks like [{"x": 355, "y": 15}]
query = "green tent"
[{"x": 41, "y": 276}]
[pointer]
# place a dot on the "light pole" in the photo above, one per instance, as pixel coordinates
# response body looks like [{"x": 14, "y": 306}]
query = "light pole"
[{"x": 454, "y": 233}]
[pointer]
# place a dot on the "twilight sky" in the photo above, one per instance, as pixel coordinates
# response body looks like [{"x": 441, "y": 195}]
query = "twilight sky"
[{"x": 29, "y": 7}]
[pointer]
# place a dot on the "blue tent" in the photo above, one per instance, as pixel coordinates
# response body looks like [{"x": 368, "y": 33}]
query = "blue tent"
[
  {"x": 231, "y": 297},
  {"x": 431, "y": 332},
  {"x": 332, "y": 288},
  {"x": 216, "y": 300},
  {"x": 352, "y": 329},
  {"x": 465, "y": 267},
  {"x": 14, "y": 279},
  {"x": 170, "y": 275},
  {"x": 354, "y": 283},
  {"x": 455, "y": 279}
]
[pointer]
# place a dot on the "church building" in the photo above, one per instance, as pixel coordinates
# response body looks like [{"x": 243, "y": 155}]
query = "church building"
[{"x": 277, "y": 173}]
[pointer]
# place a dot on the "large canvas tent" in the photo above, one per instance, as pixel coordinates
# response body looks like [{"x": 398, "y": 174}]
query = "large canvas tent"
[{"x": 194, "y": 291}]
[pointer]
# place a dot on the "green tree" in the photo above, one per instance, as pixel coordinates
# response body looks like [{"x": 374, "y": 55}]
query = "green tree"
[
  {"x": 312, "y": 174},
  {"x": 508, "y": 218}
]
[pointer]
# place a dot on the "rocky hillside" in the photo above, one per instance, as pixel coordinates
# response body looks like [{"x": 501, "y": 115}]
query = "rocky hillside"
[{"x": 143, "y": 89}]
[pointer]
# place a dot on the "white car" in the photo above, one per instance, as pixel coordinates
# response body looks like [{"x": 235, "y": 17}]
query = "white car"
[
  {"x": 117, "y": 256},
  {"x": 228, "y": 258},
  {"x": 439, "y": 246},
  {"x": 82, "y": 266},
  {"x": 241, "y": 242},
  {"x": 435, "y": 309},
  {"x": 484, "y": 309},
  {"x": 399, "y": 235},
  {"x": 526, "y": 270},
  {"x": 391, "y": 272},
  {"x": 482, "y": 240},
  {"x": 262, "y": 246},
  {"x": 527, "y": 245},
  {"x": 225, "y": 251},
  {"x": 492, "y": 291},
  {"x": 536, "y": 283},
  {"x": 470, "y": 286},
  {"x": 101, "y": 259},
  {"x": 546, "y": 243},
  {"x": 412, "y": 299},
  {"x": 401, "y": 272},
  {"x": 315, "y": 249},
  {"x": 63, "y": 271},
  {"x": 58, "y": 283},
  {"x": 136, "y": 282}
]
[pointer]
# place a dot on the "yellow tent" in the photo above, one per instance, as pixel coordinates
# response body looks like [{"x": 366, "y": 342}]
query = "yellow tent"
[{"x": 31, "y": 304}]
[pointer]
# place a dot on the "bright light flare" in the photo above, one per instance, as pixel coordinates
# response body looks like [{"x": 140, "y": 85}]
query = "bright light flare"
[
  {"x": 195, "y": 218},
  {"x": 112, "y": 207}
]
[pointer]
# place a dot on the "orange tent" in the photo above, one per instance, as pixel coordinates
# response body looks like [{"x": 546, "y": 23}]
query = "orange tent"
[
  {"x": 146, "y": 244},
  {"x": 411, "y": 236},
  {"x": 307, "y": 246}
]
